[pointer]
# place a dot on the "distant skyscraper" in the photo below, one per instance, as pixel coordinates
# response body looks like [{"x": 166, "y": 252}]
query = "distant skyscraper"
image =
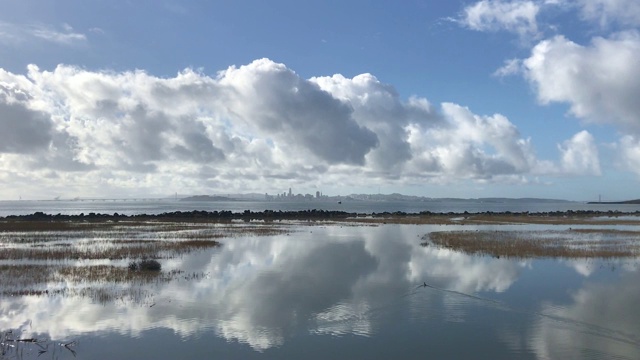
[
  {"x": 290, "y": 194},
  {"x": 317, "y": 194}
]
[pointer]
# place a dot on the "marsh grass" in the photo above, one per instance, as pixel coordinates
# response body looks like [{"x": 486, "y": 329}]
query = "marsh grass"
[
  {"x": 19, "y": 275},
  {"x": 121, "y": 240},
  {"x": 401, "y": 219},
  {"x": 99, "y": 283},
  {"x": 117, "y": 241},
  {"x": 31, "y": 226},
  {"x": 25, "y": 275},
  {"x": 40, "y": 257},
  {"x": 21, "y": 226},
  {"x": 107, "y": 250},
  {"x": 583, "y": 243},
  {"x": 548, "y": 220}
]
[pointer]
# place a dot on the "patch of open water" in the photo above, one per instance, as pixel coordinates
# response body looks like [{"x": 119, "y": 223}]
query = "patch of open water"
[{"x": 348, "y": 292}]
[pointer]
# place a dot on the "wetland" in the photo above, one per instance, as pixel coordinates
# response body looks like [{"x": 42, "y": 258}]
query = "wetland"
[{"x": 506, "y": 285}]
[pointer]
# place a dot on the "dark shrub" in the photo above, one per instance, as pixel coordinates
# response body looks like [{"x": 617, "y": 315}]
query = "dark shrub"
[
  {"x": 145, "y": 265},
  {"x": 133, "y": 266}
]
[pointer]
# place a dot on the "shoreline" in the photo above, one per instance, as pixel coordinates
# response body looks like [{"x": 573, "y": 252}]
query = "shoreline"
[{"x": 270, "y": 215}]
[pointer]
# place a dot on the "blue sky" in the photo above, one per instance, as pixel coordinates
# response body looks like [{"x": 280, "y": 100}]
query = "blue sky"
[{"x": 522, "y": 98}]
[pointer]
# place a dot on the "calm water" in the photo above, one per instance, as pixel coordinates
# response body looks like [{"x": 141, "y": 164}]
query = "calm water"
[
  {"x": 345, "y": 292},
  {"x": 160, "y": 206}
]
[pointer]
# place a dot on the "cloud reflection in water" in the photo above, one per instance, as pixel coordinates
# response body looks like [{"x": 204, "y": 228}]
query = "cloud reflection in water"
[{"x": 330, "y": 280}]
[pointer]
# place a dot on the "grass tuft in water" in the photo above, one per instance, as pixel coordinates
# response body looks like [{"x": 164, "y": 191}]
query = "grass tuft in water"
[{"x": 145, "y": 265}]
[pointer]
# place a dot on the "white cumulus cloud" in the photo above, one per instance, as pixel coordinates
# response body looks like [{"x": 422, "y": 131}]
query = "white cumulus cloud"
[
  {"x": 600, "y": 81},
  {"x": 257, "y": 127},
  {"x": 580, "y": 155},
  {"x": 628, "y": 149},
  {"x": 471, "y": 146},
  {"x": 608, "y": 12},
  {"x": 494, "y": 15}
]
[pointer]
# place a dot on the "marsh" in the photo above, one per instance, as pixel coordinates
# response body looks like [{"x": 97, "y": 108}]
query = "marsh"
[{"x": 339, "y": 289}]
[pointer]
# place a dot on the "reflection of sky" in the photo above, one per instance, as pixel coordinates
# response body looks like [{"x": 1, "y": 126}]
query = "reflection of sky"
[
  {"x": 334, "y": 280},
  {"x": 586, "y": 267},
  {"x": 607, "y": 321}
]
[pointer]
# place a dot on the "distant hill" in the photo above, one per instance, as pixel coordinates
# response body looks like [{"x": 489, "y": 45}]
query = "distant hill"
[
  {"x": 626, "y": 202},
  {"x": 400, "y": 197},
  {"x": 206, "y": 198},
  {"x": 377, "y": 197},
  {"x": 522, "y": 200}
]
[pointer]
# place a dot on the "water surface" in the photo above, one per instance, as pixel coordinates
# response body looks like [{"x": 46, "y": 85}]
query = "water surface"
[
  {"x": 347, "y": 292},
  {"x": 130, "y": 207}
]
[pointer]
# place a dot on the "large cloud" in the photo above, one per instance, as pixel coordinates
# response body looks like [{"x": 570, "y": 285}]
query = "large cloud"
[
  {"x": 379, "y": 107},
  {"x": 254, "y": 127},
  {"x": 471, "y": 146},
  {"x": 580, "y": 154},
  {"x": 293, "y": 110},
  {"x": 24, "y": 130},
  {"x": 601, "y": 81}
]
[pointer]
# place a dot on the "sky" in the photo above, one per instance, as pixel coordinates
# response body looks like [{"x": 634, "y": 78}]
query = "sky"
[{"x": 491, "y": 98}]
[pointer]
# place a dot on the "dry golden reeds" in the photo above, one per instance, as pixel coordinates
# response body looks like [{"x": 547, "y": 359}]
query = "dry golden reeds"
[{"x": 531, "y": 244}]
